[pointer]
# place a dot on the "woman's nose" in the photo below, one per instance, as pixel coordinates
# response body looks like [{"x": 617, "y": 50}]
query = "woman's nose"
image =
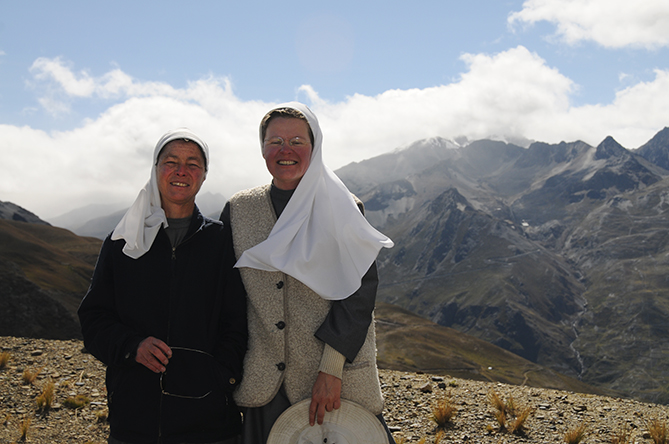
[{"x": 285, "y": 147}]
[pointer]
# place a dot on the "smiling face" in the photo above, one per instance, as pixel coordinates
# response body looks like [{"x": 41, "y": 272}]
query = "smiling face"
[
  {"x": 181, "y": 172},
  {"x": 287, "y": 151}
]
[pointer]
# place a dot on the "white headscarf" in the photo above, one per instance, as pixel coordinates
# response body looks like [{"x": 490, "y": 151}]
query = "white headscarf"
[
  {"x": 141, "y": 222},
  {"x": 321, "y": 238}
]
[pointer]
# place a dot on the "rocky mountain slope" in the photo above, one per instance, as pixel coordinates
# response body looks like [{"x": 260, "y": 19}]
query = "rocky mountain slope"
[{"x": 554, "y": 252}]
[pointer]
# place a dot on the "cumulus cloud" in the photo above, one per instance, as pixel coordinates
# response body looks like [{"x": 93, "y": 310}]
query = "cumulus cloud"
[
  {"x": 610, "y": 23},
  {"x": 61, "y": 84},
  {"x": 509, "y": 95},
  {"x": 81, "y": 85}
]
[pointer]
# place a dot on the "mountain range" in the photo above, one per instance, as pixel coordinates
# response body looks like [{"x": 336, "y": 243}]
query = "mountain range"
[{"x": 557, "y": 253}]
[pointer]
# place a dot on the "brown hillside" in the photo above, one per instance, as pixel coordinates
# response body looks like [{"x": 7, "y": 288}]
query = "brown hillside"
[
  {"x": 51, "y": 257},
  {"x": 408, "y": 342},
  {"x": 44, "y": 273}
]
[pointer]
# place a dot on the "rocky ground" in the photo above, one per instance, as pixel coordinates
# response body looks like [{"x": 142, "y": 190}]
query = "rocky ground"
[{"x": 410, "y": 399}]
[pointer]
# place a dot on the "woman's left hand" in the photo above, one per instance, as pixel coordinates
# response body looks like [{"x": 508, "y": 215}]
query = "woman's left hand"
[{"x": 325, "y": 396}]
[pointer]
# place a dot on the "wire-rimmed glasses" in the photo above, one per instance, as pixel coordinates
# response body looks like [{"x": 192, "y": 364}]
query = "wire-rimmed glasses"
[
  {"x": 295, "y": 142},
  {"x": 188, "y": 373}
]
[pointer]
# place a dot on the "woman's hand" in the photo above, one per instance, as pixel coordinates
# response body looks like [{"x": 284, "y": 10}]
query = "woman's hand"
[
  {"x": 325, "y": 396},
  {"x": 153, "y": 354}
]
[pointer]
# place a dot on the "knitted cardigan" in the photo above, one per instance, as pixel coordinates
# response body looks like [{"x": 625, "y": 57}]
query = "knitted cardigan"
[{"x": 283, "y": 315}]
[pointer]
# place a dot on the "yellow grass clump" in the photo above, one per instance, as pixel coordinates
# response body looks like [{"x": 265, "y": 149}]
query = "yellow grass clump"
[
  {"x": 621, "y": 435},
  {"x": 658, "y": 431},
  {"x": 4, "y": 359},
  {"x": 30, "y": 376},
  {"x": 23, "y": 429},
  {"x": 45, "y": 400},
  {"x": 575, "y": 436},
  {"x": 443, "y": 413},
  {"x": 510, "y": 417},
  {"x": 76, "y": 402}
]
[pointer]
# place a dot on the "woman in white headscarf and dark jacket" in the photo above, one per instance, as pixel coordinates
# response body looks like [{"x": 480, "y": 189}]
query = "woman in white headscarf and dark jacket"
[
  {"x": 166, "y": 310},
  {"x": 307, "y": 256}
]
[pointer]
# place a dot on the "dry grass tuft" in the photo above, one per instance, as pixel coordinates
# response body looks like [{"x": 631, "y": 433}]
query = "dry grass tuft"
[
  {"x": 23, "y": 429},
  {"x": 520, "y": 416},
  {"x": 658, "y": 431},
  {"x": 510, "y": 417},
  {"x": 5, "y": 357},
  {"x": 443, "y": 413},
  {"x": 76, "y": 402},
  {"x": 575, "y": 436},
  {"x": 497, "y": 402},
  {"x": 102, "y": 415},
  {"x": 510, "y": 407},
  {"x": 45, "y": 400},
  {"x": 621, "y": 435},
  {"x": 29, "y": 376},
  {"x": 500, "y": 416}
]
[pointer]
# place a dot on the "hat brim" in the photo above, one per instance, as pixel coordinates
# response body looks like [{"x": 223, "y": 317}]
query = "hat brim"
[{"x": 351, "y": 423}]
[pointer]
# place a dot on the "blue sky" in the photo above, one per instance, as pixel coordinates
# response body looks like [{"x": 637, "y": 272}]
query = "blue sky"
[{"x": 87, "y": 88}]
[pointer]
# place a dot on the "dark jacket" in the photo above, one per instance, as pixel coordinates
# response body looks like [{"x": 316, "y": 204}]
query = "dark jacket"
[{"x": 191, "y": 298}]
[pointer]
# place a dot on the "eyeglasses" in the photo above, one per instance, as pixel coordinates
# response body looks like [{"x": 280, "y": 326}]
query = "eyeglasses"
[
  {"x": 295, "y": 142},
  {"x": 186, "y": 368}
]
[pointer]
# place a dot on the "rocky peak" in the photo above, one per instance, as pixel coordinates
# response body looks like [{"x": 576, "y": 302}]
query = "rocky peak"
[
  {"x": 449, "y": 200},
  {"x": 610, "y": 148}
]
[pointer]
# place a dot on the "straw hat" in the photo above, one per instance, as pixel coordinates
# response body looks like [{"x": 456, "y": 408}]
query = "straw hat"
[{"x": 350, "y": 424}]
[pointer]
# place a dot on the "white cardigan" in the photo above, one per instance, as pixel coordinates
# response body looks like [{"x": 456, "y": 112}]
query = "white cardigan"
[{"x": 283, "y": 315}]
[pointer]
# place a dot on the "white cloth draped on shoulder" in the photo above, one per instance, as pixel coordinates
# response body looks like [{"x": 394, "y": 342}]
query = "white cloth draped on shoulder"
[
  {"x": 321, "y": 238},
  {"x": 140, "y": 224}
]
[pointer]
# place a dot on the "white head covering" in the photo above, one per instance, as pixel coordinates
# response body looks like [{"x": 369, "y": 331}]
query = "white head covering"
[
  {"x": 321, "y": 238},
  {"x": 141, "y": 222}
]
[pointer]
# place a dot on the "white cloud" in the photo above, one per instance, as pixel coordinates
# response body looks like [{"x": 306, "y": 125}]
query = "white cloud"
[
  {"x": 511, "y": 94},
  {"x": 610, "y": 23},
  {"x": 81, "y": 85},
  {"x": 60, "y": 85}
]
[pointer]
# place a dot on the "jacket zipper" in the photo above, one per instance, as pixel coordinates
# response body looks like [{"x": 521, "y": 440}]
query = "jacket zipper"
[{"x": 169, "y": 321}]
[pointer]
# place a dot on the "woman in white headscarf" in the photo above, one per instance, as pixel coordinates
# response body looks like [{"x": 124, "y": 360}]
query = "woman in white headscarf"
[
  {"x": 166, "y": 310},
  {"x": 307, "y": 259}
]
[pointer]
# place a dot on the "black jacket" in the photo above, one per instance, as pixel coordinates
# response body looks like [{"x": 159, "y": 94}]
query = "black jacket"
[{"x": 191, "y": 298}]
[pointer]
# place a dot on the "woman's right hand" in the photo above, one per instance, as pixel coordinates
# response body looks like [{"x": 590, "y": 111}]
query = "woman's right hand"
[
  {"x": 153, "y": 354},
  {"x": 325, "y": 396}
]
